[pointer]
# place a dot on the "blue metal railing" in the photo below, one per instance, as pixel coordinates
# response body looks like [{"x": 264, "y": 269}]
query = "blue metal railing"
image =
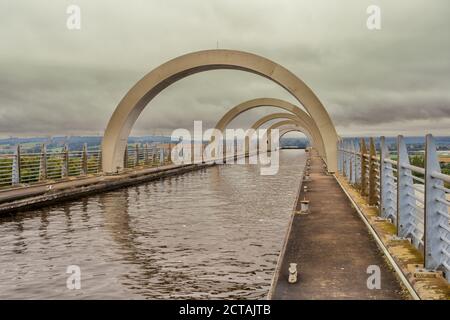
[{"x": 415, "y": 199}]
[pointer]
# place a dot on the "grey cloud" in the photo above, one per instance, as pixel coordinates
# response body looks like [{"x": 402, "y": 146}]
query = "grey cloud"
[{"x": 54, "y": 81}]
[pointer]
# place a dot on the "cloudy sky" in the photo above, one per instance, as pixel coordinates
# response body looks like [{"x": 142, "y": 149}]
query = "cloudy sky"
[{"x": 55, "y": 81}]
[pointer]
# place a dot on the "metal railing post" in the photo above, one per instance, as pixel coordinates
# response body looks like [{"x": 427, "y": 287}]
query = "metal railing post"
[
  {"x": 363, "y": 151},
  {"x": 343, "y": 157},
  {"x": 338, "y": 146},
  {"x": 404, "y": 187},
  {"x": 353, "y": 160},
  {"x": 100, "y": 161},
  {"x": 387, "y": 184},
  {"x": 146, "y": 159},
  {"x": 372, "y": 173},
  {"x": 154, "y": 154},
  {"x": 84, "y": 161},
  {"x": 43, "y": 164},
  {"x": 125, "y": 158},
  {"x": 170, "y": 153},
  {"x": 357, "y": 164},
  {"x": 436, "y": 213},
  {"x": 203, "y": 152},
  {"x": 136, "y": 152},
  {"x": 347, "y": 161},
  {"x": 65, "y": 162},
  {"x": 161, "y": 156},
  {"x": 15, "y": 174}
]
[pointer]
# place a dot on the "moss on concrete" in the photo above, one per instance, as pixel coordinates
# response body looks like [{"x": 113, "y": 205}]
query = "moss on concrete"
[{"x": 403, "y": 252}]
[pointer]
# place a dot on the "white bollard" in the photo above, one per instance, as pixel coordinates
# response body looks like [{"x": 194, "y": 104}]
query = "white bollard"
[
  {"x": 292, "y": 273},
  {"x": 304, "y": 206}
]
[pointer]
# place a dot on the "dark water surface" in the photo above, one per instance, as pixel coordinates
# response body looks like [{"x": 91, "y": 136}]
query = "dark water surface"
[{"x": 214, "y": 233}]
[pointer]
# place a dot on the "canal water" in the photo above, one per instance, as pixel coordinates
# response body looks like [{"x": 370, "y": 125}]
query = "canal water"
[{"x": 215, "y": 233}]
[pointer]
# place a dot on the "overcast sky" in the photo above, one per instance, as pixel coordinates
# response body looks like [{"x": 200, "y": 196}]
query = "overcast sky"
[{"x": 55, "y": 81}]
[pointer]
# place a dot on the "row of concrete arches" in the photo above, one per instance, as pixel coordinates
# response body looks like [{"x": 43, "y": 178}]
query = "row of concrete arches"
[
  {"x": 295, "y": 116},
  {"x": 315, "y": 122}
]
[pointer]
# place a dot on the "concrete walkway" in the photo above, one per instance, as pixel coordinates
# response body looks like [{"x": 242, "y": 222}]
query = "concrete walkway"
[{"x": 332, "y": 248}]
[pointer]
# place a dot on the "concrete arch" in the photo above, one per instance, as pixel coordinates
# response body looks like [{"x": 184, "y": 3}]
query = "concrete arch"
[
  {"x": 301, "y": 122},
  {"x": 280, "y": 124},
  {"x": 288, "y": 129},
  {"x": 291, "y": 128},
  {"x": 304, "y": 123},
  {"x": 132, "y": 104},
  {"x": 231, "y": 114},
  {"x": 273, "y": 116},
  {"x": 290, "y": 123}
]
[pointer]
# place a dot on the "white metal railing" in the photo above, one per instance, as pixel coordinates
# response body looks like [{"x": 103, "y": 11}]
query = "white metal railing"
[
  {"x": 413, "y": 198},
  {"x": 25, "y": 168}
]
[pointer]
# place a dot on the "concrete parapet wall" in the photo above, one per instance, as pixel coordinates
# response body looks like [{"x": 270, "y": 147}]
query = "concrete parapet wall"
[{"x": 21, "y": 199}]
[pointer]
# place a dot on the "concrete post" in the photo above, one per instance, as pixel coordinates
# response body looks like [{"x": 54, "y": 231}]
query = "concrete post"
[
  {"x": 43, "y": 164},
  {"x": 388, "y": 202},
  {"x": 372, "y": 174},
  {"x": 404, "y": 188},
  {"x": 15, "y": 176},
  {"x": 363, "y": 151},
  {"x": 65, "y": 162},
  {"x": 436, "y": 213},
  {"x": 84, "y": 160}
]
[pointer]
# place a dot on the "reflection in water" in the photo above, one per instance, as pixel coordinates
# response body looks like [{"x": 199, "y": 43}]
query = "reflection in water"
[{"x": 214, "y": 233}]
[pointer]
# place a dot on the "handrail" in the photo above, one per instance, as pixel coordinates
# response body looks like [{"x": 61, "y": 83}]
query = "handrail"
[
  {"x": 414, "y": 198},
  {"x": 23, "y": 168},
  {"x": 387, "y": 160},
  {"x": 440, "y": 176},
  {"x": 414, "y": 168}
]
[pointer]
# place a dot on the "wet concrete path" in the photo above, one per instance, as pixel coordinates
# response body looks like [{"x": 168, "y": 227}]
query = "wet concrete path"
[{"x": 332, "y": 247}]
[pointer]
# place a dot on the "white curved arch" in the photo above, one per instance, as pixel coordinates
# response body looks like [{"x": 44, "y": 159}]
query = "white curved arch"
[
  {"x": 126, "y": 113},
  {"x": 300, "y": 121},
  {"x": 291, "y": 123},
  {"x": 288, "y": 129},
  {"x": 305, "y": 119}
]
